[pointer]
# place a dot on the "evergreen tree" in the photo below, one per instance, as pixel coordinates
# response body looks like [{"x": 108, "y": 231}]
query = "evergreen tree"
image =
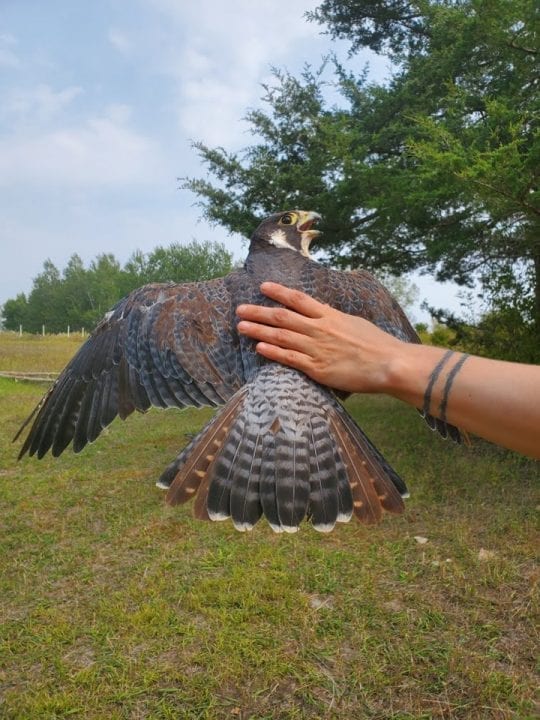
[{"x": 435, "y": 169}]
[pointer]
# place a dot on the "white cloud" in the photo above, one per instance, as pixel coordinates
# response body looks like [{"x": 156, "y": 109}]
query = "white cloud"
[
  {"x": 66, "y": 226},
  {"x": 218, "y": 55},
  {"x": 119, "y": 41},
  {"x": 8, "y": 56},
  {"x": 224, "y": 52},
  {"x": 103, "y": 151},
  {"x": 211, "y": 110},
  {"x": 39, "y": 104}
]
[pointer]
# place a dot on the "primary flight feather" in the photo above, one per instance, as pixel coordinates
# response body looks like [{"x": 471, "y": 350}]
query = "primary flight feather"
[{"x": 282, "y": 445}]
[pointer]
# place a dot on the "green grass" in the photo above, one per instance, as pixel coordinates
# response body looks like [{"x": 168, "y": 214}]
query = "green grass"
[{"x": 117, "y": 606}]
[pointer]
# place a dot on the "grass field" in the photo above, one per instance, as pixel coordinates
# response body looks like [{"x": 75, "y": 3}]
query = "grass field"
[{"x": 115, "y": 606}]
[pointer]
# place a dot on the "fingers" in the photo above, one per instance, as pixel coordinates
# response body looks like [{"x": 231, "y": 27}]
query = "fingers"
[
  {"x": 294, "y": 299},
  {"x": 299, "y": 319},
  {"x": 292, "y": 358},
  {"x": 275, "y": 335},
  {"x": 286, "y": 336},
  {"x": 275, "y": 316}
]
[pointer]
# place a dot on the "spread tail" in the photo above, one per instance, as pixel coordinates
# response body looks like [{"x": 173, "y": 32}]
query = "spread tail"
[{"x": 283, "y": 447}]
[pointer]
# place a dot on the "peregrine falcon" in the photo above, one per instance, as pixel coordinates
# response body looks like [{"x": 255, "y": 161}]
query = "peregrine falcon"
[{"x": 281, "y": 445}]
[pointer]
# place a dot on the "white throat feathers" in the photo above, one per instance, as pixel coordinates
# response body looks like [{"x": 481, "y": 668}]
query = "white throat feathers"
[{"x": 279, "y": 239}]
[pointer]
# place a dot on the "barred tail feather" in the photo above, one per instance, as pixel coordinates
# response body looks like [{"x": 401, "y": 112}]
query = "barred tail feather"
[
  {"x": 182, "y": 478},
  {"x": 345, "y": 499},
  {"x": 246, "y": 508},
  {"x": 292, "y": 481},
  {"x": 373, "y": 456},
  {"x": 284, "y": 447},
  {"x": 267, "y": 489},
  {"x": 222, "y": 472},
  {"x": 374, "y": 484},
  {"x": 324, "y": 501}
]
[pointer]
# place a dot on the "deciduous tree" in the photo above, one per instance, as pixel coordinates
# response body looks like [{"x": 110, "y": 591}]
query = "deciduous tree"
[{"x": 79, "y": 297}]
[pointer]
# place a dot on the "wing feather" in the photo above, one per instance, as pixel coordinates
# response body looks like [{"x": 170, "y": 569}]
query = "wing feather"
[
  {"x": 47, "y": 424},
  {"x": 164, "y": 345}
]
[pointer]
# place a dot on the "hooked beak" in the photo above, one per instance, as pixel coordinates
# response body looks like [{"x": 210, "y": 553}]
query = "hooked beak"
[{"x": 304, "y": 226}]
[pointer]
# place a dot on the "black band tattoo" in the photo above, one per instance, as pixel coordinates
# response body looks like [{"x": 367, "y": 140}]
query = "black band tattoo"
[
  {"x": 448, "y": 386},
  {"x": 433, "y": 379}
]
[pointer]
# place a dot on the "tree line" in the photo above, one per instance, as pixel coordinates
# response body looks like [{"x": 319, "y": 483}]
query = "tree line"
[
  {"x": 79, "y": 296},
  {"x": 435, "y": 169}
]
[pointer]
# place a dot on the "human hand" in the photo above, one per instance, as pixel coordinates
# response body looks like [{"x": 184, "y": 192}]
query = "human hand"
[{"x": 335, "y": 349}]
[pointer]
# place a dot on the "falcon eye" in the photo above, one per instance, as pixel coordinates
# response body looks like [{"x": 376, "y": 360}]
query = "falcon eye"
[{"x": 287, "y": 219}]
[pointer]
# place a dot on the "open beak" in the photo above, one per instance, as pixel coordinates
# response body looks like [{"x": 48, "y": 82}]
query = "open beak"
[{"x": 305, "y": 224}]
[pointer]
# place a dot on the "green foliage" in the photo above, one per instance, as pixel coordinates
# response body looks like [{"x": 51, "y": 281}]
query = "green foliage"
[
  {"x": 500, "y": 333},
  {"x": 442, "y": 336},
  {"x": 436, "y": 169},
  {"x": 402, "y": 289},
  {"x": 181, "y": 263},
  {"x": 14, "y": 312},
  {"x": 79, "y": 296},
  {"x": 392, "y": 26}
]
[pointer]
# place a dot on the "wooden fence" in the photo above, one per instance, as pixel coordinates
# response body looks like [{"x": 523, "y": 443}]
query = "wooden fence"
[{"x": 29, "y": 376}]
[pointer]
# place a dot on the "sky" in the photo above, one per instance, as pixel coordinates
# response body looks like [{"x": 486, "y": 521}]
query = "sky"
[{"x": 101, "y": 102}]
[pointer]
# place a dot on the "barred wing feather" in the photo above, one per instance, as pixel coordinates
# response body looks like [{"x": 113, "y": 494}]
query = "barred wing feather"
[{"x": 165, "y": 345}]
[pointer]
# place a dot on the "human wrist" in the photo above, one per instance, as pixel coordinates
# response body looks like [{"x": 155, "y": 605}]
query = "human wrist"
[
  {"x": 414, "y": 369},
  {"x": 403, "y": 379}
]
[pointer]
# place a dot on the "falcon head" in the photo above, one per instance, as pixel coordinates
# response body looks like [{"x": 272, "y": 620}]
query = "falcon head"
[{"x": 291, "y": 229}]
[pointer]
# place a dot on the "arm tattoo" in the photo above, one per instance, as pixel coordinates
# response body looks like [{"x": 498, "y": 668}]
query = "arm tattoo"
[
  {"x": 448, "y": 385},
  {"x": 433, "y": 379}
]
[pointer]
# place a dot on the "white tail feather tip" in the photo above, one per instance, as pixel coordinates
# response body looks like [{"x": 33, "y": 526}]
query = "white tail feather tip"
[
  {"x": 243, "y": 526},
  {"x": 324, "y": 527},
  {"x": 291, "y": 528},
  {"x": 218, "y": 516}
]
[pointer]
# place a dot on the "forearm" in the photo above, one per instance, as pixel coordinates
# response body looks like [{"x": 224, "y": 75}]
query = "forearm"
[{"x": 500, "y": 401}]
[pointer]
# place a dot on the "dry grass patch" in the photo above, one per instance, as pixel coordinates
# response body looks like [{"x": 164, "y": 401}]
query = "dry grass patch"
[{"x": 37, "y": 353}]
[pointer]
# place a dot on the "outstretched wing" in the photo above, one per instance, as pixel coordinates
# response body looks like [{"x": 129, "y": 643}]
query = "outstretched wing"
[{"x": 164, "y": 345}]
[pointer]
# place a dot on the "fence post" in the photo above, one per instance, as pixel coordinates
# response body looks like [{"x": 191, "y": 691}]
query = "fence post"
[
  {"x": 20, "y": 330},
  {"x": 43, "y": 330},
  {"x": 68, "y": 331}
]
